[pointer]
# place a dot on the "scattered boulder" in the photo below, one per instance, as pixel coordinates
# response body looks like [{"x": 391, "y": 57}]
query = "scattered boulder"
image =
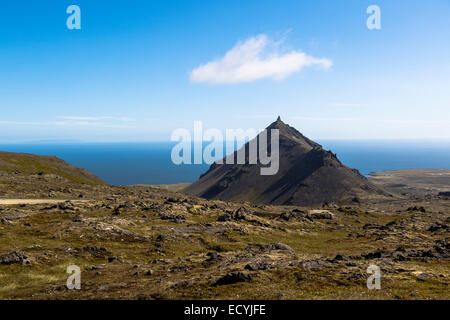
[
  {"x": 369, "y": 226},
  {"x": 148, "y": 273},
  {"x": 438, "y": 226},
  {"x": 442, "y": 246},
  {"x": 96, "y": 267},
  {"x": 421, "y": 254},
  {"x": 113, "y": 259},
  {"x": 274, "y": 246},
  {"x": 212, "y": 256},
  {"x": 172, "y": 200},
  {"x": 6, "y": 222},
  {"x": 399, "y": 256},
  {"x": 225, "y": 217},
  {"x": 240, "y": 214},
  {"x": 373, "y": 255},
  {"x": 259, "y": 265},
  {"x": 67, "y": 205},
  {"x": 95, "y": 251},
  {"x": 233, "y": 277},
  {"x": 340, "y": 257},
  {"x": 320, "y": 214},
  {"x": 422, "y": 276},
  {"x": 294, "y": 214},
  {"x": 217, "y": 206},
  {"x": 14, "y": 258},
  {"x": 421, "y": 209},
  {"x": 177, "y": 218}
]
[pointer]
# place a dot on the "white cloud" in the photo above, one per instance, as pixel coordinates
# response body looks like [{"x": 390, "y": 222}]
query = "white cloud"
[{"x": 256, "y": 58}]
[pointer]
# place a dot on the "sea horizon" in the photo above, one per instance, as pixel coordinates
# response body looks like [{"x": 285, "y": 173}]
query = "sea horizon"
[{"x": 130, "y": 163}]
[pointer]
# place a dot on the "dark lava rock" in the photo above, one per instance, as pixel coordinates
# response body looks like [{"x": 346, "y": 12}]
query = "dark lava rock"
[
  {"x": 442, "y": 246},
  {"x": 112, "y": 259},
  {"x": 234, "y": 277},
  {"x": 421, "y": 254},
  {"x": 172, "y": 200},
  {"x": 97, "y": 267},
  {"x": 295, "y": 214},
  {"x": 14, "y": 258},
  {"x": 163, "y": 238},
  {"x": 236, "y": 215},
  {"x": 424, "y": 276},
  {"x": 94, "y": 250},
  {"x": 286, "y": 216},
  {"x": 225, "y": 217},
  {"x": 66, "y": 206},
  {"x": 399, "y": 256},
  {"x": 177, "y": 218},
  {"x": 323, "y": 214},
  {"x": 312, "y": 264},
  {"x": 217, "y": 206},
  {"x": 156, "y": 261},
  {"x": 212, "y": 256},
  {"x": 275, "y": 246},
  {"x": 259, "y": 265},
  {"x": 421, "y": 209},
  {"x": 340, "y": 257},
  {"x": 6, "y": 222},
  {"x": 438, "y": 226},
  {"x": 148, "y": 273},
  {"x": 369, "y": 226},
  {"x": 373, "y": 255}
]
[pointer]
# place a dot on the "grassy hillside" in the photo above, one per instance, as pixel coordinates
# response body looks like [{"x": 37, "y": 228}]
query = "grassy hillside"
[{"x": 24, "y": 163}]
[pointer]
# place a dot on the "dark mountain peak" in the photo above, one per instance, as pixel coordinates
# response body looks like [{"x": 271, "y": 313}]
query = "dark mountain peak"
[
  {"x": 308, "y": 175},
  {"x": 292, "y": 135},
  {"x": 278, "y": 124}
]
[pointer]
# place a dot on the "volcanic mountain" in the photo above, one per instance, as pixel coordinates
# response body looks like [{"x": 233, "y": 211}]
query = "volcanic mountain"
[{"x": 308, "y": 175}]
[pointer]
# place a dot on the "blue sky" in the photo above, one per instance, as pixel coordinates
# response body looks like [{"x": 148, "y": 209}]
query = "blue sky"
[{"x": 129, "y": 73}]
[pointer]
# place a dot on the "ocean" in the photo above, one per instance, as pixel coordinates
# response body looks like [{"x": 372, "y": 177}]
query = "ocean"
[{"x": 150, "y": 162}]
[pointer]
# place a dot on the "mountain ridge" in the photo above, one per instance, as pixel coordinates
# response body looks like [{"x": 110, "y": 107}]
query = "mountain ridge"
[
  {"x": 308, "y": 175},
  {"x": 30, "y": 164}
]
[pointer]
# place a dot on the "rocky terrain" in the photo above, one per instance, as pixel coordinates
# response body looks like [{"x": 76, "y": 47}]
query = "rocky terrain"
[{"x": 146, "y": 243}]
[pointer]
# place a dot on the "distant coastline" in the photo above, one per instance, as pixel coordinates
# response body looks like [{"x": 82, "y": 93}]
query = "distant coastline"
[{"x": 150, "y": 164}]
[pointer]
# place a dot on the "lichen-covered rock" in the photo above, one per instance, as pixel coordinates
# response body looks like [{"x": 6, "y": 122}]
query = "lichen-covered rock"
[{"x": 14, "y": 258}]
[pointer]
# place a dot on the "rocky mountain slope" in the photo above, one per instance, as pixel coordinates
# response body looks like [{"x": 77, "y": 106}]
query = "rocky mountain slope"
[
  {"x": 30, "y": 164},
  {"x": 308, "y": 175}
]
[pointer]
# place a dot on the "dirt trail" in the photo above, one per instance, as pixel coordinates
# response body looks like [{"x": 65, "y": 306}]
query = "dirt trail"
[{"x": 35, "y": 201}]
